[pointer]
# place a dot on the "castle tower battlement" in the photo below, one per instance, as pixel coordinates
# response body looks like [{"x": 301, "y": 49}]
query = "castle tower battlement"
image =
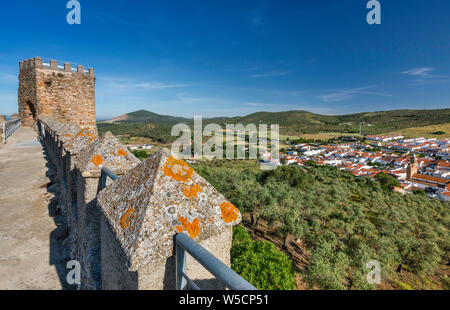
[
  {"x": 61, "y": 92},
  {"x": 38, "y": 63}
]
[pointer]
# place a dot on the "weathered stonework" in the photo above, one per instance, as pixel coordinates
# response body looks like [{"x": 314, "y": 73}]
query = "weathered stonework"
[
  {"x": 122, "y": 234},
  {"x": 152, "y": 202},
  {"x": 59, "y": 93},
  {"x": 106, "y": 151},
  {"x": 109, "y": 152}
]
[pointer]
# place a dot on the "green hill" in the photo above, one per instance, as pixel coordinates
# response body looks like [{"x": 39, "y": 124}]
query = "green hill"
[
  {"x": 156, "y": 126},
  {"x": 303, "y": 122},
  {"x": 150, "y": 117}
]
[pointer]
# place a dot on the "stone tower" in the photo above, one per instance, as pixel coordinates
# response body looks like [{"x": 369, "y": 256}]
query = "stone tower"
[
  {"x": 411, "y": 170},
  {"x": 59, "y": 92}
]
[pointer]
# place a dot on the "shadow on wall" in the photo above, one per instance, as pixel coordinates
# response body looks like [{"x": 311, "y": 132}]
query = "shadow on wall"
[
  {"x": 59, "y": 250},
  {"x": 113, "y": 258}
]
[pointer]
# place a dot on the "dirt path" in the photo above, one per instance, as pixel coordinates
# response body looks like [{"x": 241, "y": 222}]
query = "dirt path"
[{"x": 31, "y": 254}]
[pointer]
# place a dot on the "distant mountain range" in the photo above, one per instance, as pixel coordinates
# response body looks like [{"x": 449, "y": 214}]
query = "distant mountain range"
[{"x": 302, "y": 122}]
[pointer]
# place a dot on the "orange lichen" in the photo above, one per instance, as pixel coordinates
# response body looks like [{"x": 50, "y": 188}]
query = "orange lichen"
[
  {"x": 86, "y": 132},
  {"x": 121, "y": 152},
  {"x": 92, "y": 136},
  {"x": 178, "y": 170},
  {"x": 192, "y": 191},
  {"x": 229, "y": 212},
  {"x": 124, "y": 220},
  {"x": 80, "y": 134},
  {"x": 68, "y": 135},
  {"x": 97, "y": 160},
  {"x": 192, "y": 228}
]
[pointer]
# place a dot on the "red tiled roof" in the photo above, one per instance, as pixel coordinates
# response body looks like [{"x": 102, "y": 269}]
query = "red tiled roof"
[
  {"x": 443, "y": 164},
  {"x": 430, "y": 178}
]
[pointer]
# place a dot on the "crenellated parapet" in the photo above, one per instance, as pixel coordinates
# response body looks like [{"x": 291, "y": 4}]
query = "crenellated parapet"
[
  {"x": 123, "y": 234},
  {"x": 38, "y": 63}
]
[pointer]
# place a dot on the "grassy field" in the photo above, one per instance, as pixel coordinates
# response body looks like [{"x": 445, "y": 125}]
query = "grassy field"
[
  {"x": 427, "y": 131},
  {"x": 414, "y": 132},
  {"x": 325, "y": 136}
]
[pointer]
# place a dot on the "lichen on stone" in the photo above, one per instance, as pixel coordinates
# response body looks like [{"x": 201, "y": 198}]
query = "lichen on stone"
[
  {"x": 165, "y": 201},
  {"x": 104, "y": 152}
]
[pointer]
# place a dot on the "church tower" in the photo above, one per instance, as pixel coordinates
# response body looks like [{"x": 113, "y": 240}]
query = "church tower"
[{"x": 411, "y": 170}]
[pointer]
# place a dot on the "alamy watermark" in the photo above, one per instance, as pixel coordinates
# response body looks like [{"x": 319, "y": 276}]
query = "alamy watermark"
[
  {"x": 74, "y": 15},
  {"x": 229, "y": 142},
  {"x": 374, "y": 275},
  {"x": 74, "y": 275},
  {"x": 374, "y": 15}
]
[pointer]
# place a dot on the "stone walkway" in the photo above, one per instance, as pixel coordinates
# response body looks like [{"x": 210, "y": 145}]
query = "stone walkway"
[{"x": 31, "y": 251}]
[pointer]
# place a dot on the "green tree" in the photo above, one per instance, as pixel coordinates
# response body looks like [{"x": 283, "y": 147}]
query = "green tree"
[
  {"x": 387, "y": 181},
  {"x": 260, "y": 263}
]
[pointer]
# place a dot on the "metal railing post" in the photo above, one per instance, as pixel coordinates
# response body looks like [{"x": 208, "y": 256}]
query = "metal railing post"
[
  {"x": 216, "y": 267},
  {"x": 181, "y": 268},
  {"x": 106, "y": 172},
  {"x": 102, "y": 180},
  {"x": 9, "y": 127}
]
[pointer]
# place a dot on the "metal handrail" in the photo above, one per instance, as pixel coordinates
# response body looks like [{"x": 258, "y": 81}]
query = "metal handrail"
[
  {"x": 106, "y": 172},
  {"x": 222, "y": 272},
  {"x": 10, "y": 127}
]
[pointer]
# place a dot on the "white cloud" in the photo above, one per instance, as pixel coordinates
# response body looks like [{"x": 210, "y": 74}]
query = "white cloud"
[
  {"x": 257, "y": 104},
  {"x": 423, "y": 76},
  {"x": 115, "y": 84},
  {"x": 347, "y": 94},
  {"x": 421, "y": 72},
  {"x": 269, "y": 74},
  {"x": 157, "y": 85}
]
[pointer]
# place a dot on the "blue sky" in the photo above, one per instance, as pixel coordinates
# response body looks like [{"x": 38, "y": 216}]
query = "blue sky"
[{"x": 226, "y": 58}]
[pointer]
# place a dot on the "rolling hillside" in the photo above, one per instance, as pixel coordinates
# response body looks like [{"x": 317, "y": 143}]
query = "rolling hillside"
[
  {"x": 155, "y": 126},
  {"x": 143, "y": 116},
  {"x": 303, "y": 122}
]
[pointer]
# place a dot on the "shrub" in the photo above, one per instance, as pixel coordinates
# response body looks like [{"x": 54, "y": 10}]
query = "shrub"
[
  {"x": 140, "y": 154},
  {"x": 260, "y": 263},
  {"x": 404, "y": 286},
  {"x": 445, "y": 281},
  {"x": 419, "y": 192},
  {"x": 387, "y": 181}
]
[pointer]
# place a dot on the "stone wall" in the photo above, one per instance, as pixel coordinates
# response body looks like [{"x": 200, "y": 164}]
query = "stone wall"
[
  {"x": 2, "y": 119},
  {"x": 56, "y": 92},
  {"x": 122, "y": 234}
]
